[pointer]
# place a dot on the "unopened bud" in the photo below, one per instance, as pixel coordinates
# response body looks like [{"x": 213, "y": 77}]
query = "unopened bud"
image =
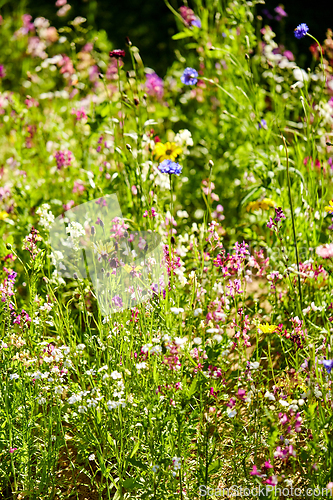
[
  {"x": 128, "y": 41},
  {"x": 129, "y": 147}
]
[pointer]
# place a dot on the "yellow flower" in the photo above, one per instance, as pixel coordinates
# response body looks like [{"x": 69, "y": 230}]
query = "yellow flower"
[
  {"x": 267, "y": 203},
  {"x": 264, "y": 204},
  {"x": 167, "y": 151},
  {"x": 267, "y": 328},
  {"x": 3, "y": 215},
  {"x": 329, "y": 208},
  {"x": 130, "y": 269}
]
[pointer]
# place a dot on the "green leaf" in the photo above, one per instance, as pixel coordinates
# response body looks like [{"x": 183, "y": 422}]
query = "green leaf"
[
  {"x": 215, "y": 466},
  {"x": 131, "y": 484},
  {"x": 182, "y": 34},
  {"x": 137, "y": 463}
]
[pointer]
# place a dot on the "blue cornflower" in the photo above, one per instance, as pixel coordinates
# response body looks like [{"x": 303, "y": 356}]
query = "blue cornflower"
[
  {"x": 301, "y": 30},
  {"x": 170, "y": 167},
  {"x": 190, "y": 76},
  {"x": 262, "y": 124},
  {"x": 328, "y": 364},
  {"x": 196, "y": 22}
]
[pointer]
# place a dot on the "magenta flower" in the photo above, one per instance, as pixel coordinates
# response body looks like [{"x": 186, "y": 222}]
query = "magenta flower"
[
  {"x": 2, "y": 71},
  {"x": 11, "y": 450},
  {"x": 117, "y": 53},
  {"x": 255, "y": 471},
  {"x": 154, "y": 85},
  {"x": 63, "y": 158}
]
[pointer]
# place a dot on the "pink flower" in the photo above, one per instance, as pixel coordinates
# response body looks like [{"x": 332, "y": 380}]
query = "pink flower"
[
  {"x": 154, "y": 85},
  {"x": 241, "y": 393},
  {"x": 11, "y": 450},
  {"x": 268, "y": 465},
  {"x": 325, "y": 251},
  {"x": 272, "y": 481},
  {"x": 255, "y": 471},
  {"x": 79, "y": 113},
  {"x": 78, "y": 187}
]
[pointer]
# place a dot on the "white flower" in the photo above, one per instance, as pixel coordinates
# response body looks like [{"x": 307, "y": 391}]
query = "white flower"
[
  {"x": 156, "y": 349},
  {"x": 14, "y": 376},
  {"x": 180, "y": 341},
  {"x": 254, "y": 365},
  {"x": 140, "y": 366},
  {"x": 197, "y": 311},
  {"x": 155, "y": 468},
  {"x": 91, "y": 457},
  {"x": 184, "y": 139},
  {"x": 80, "y": 347},
  {"x": 270, "y": 396},
  {"x": 75, "y": 230},
  {"x": 218, "y": 338},
  {"x": 74, "y": 399},
  {"x": 283, "y": 402},
  {"x": 176, "y": 310},
  {"x": 41, "y": 400},
  {"x": 58, "y": 389},
  {"x": 46, "y": 217},
  {"x": 317, "y": 392},
  {"x": 115, "y": 375},
  {"x": 231, "y": 413},
  {"x": 197, "y": 340},
  {"x": 212, "y": 330},
  {"x": 82, "y": 409}
]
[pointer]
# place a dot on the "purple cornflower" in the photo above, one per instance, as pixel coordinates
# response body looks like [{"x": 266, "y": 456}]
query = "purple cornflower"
[
  {"x": 301, "y": 30},
  {"x": 328, "y": 364},
  {"x": 154, "y": 85},
  {"x": 189, "y": 77},
  {"x": 281, "y": 12},
  {"x": 170, "y": 167}
]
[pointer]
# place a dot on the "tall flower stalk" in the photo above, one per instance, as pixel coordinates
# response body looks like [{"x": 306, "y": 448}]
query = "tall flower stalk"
[{"x": 293, "y": 222}]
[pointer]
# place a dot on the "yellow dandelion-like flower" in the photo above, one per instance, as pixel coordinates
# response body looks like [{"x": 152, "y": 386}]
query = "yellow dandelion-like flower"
[
  {"x": 253, "y": 205},
  {"x": 329, "y": 208},
  {"x": 167, "y": 151},
  {"x": 267, "y": 328},
  {"x": 3, "y": 215},
  {"x": 264, "y": 204},
  {"x": 267, "y": 203}
]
